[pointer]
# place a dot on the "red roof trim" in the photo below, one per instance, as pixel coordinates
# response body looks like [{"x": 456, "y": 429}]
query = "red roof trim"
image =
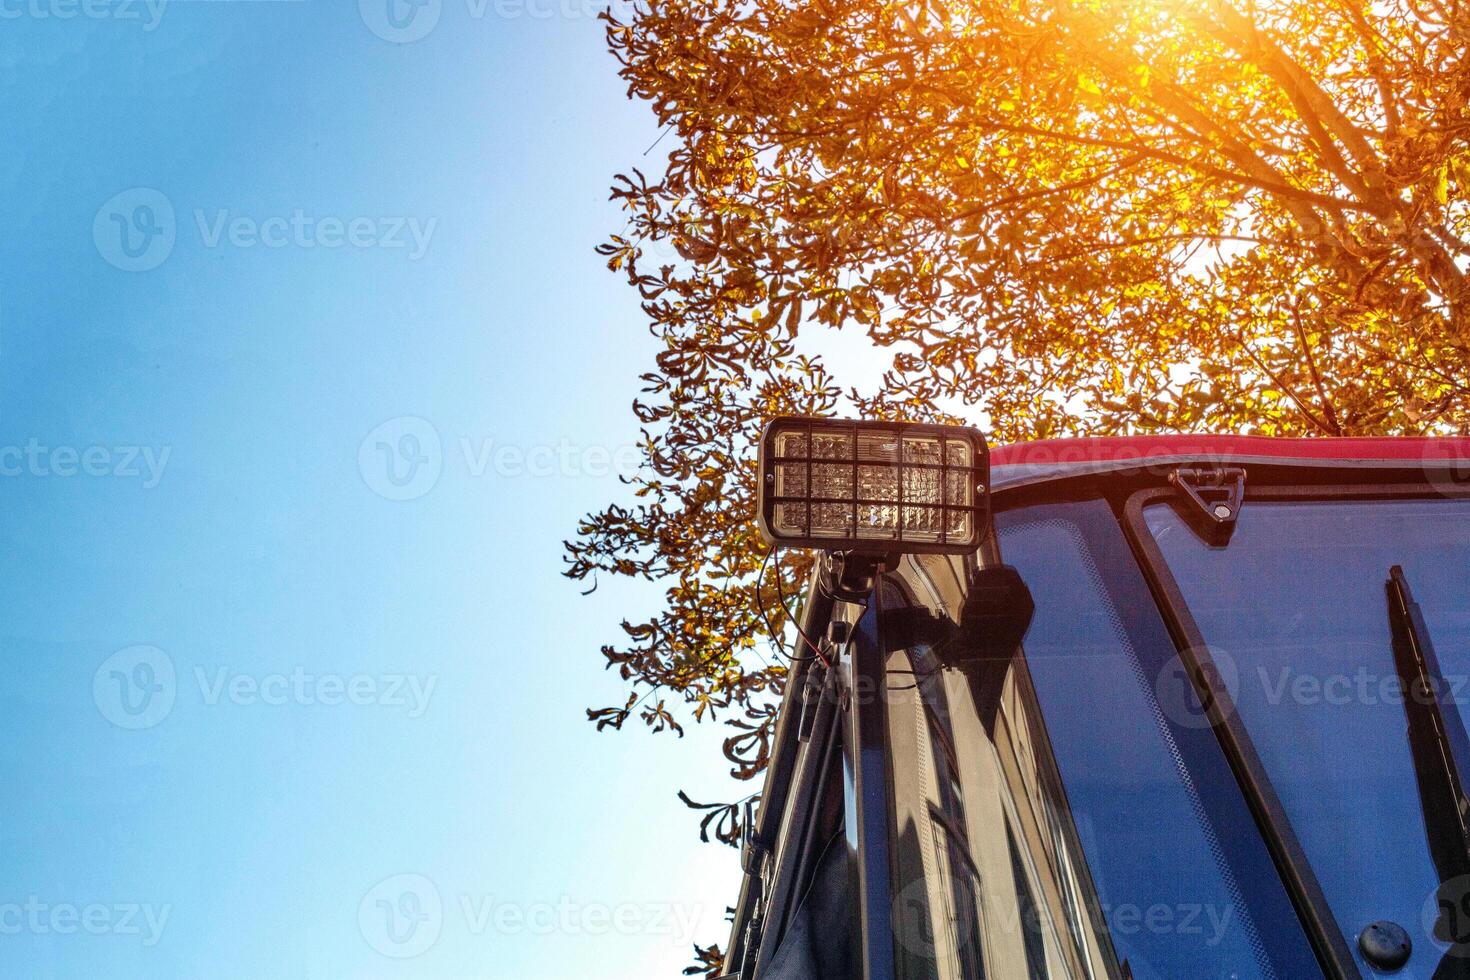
[{"x": 1123, "y": 449}]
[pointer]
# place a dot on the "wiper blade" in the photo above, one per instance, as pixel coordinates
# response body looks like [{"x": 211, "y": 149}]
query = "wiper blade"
[
  {"x": 1436, "y": 731},
  {"x": 1441, "y": 752}
]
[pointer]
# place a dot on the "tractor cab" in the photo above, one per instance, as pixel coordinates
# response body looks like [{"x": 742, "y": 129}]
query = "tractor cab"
[{"x": 1157, "y": 708}]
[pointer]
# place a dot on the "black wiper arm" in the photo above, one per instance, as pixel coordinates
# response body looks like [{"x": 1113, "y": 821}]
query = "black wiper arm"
[
  {"x": 1436, "y": 731},
  {"x": 1441, "y": 754}
]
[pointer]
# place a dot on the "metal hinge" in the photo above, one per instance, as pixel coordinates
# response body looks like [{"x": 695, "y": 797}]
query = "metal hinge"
[
  {"x": 754, "y": 855},
  {"x": 753, "y": 850},
  {"x": 1217, "y": 494}
]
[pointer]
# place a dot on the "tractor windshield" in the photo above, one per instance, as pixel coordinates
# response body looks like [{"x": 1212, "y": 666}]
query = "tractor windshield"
[
  {"x": 1350, "y": 696},
  {"x": 1078, "y": 811}
]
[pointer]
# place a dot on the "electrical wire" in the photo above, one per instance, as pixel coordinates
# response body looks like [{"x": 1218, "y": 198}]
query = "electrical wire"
[
  {"x": 800, "y": 632},
  {"x": 760, "y": 605},
  {"x": 920, "y": 678},
  {"x": 770, "y": 630}
]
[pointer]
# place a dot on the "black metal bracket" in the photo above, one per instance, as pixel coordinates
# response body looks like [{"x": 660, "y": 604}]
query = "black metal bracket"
[
  {"x": 1217, "y": 493},
  {"x": 753, "y": 850},
  {"x": 753, "y": 930},
  {"x": 869, "y": 788},
  {"x": 848, "y": 576}
]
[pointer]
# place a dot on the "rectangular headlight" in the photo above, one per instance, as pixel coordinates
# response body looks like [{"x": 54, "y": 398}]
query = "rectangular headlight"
[{"x": 873, "y": 486}]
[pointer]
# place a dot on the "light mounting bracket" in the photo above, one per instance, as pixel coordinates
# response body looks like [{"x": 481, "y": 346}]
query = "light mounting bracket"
[{"x": 1217, "y": 493}]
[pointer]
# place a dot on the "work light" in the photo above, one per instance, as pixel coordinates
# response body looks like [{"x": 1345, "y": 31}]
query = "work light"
[{"x": 881, "y": 487}]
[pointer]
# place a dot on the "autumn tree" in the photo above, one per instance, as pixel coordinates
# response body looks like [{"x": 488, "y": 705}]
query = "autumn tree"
[{"x": 1047, "y": 217}]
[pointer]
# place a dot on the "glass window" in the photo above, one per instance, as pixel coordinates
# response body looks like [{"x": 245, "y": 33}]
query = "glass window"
[
  {"x": 1056, "y": 819},
  {"x": 1295, "y": 612},
  {"x": 1177, "y": 870}
]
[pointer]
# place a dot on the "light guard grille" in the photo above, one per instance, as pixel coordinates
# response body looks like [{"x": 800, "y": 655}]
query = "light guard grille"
[{"x": 873, "y": 486}]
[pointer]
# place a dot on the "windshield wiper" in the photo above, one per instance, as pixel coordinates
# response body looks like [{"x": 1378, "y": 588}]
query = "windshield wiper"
[{"x": 1441, "y": 753}]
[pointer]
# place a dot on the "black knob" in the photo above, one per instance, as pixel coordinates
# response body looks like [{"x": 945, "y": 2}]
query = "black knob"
[{"x": 1385, "y": 945}]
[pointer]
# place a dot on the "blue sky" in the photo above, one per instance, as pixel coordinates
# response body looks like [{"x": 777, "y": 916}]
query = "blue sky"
[{"x": 307, "y": 366}]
